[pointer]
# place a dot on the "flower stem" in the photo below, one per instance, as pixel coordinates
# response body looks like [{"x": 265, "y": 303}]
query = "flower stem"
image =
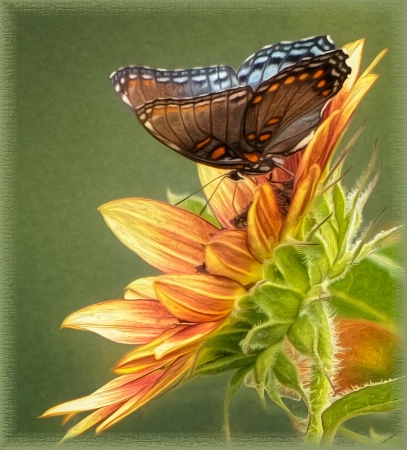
[{"x": 321, "y": 385}]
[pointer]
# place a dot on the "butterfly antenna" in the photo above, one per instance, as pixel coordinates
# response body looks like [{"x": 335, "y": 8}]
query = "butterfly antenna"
[
  {"x": 213, "y": 193},
  {"x": 199, "y": 190},
  {"x": 280, "y": 166}
]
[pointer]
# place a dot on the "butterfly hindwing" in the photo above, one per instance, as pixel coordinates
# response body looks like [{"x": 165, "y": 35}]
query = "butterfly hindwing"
[
  {"x": 204, "y": 129},
  {"x": 284, "y": 111}
]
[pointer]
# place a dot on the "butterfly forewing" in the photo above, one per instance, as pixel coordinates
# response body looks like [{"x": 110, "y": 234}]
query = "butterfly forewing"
[
  {"x": 270, "y": 60},
  {"x": 285, "y": 110},
  {"x": 139, "y": 85},
  {"x": 204, "y": 129}
]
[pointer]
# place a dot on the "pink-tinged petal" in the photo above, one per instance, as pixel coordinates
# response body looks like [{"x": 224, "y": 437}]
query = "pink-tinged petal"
[
  {"x": 228, "y": 255},
  {"x": 124, "y": 321},
  {"x": 140, "y": 288},
  {"x": 186, "y": 338},
  {"x": 167, "y": 378},
  {"x": 197, "y": 298},
  {"x": 226, "y": 198},
  {"x": 166, "y": 348},
  {"x": 88, "y": 422},
  {"x": 168, "y": 238},
  {"x": 264, "y": 222},
  {"x": 143, "y": 357},
  {"x": 115, "y": 391}
]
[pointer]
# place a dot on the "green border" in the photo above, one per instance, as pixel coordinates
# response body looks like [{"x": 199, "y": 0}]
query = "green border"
[{"x": 398, "y": 10}]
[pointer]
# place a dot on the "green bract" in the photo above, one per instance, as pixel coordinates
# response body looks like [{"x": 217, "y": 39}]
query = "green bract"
[{"x": 281, "y": 338}]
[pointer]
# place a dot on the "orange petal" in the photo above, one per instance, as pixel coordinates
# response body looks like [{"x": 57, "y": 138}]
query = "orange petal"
[
  {"x": 197, "y": 298},
  {"x": 264, "y": 222},
  {"x": 168, "y": 377},
  {"x": 140, "y": 288},
  {"x": 228, "y": 255},
  {"x": 367, "y": 353},
  {"x": 226, "y": 198},
  {"x": 302, "y": 197},
  {"x": 168, "y": 238},
  {"x": 113, "y": 392},
  {"x": 124, "y": 321},
  {"x": 167, "y": 347}
]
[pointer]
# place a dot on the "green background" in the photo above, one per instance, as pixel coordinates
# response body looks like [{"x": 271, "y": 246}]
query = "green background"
[{"x": 73, "y": 145}]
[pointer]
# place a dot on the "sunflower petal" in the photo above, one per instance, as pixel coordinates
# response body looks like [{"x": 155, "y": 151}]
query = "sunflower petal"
[
  {"x": 168, "y": 238},
  {"x": 166, "y": 379},
  {"x": 264, "y": 222},
  {"x": 226, "y": 197},
  {"x": 197, "y": 298},
  {"x": 140, "y": 288},
  {"x": 228, "y": 255},
  {"x": 123, "y": 321}
]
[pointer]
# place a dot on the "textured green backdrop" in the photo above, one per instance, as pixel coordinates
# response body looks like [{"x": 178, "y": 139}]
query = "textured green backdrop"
[{"x": 72, "y": 146}]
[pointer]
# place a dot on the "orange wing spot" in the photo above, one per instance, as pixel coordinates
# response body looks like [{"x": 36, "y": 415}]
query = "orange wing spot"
[
  {"x": 289, "y": 80},
  {"x": 326, "y": 92},
  {"x": 250, "y": 136},
  {"x": 252, "y": 157},
  {"x": 203, "y": 143},
  {"x": 273, "y": 120},
  {"x": 218, "y": 153},
  {"x": 172, "y": 109},
  {"x": 257, "y": 99},
  {"x": 318, "y": 73},
  {"x": 321, "y": 83},
  {"x": 304, "y": 76},
  {"x": 264, "y": 137},
  {"x": 187, "y": 109},
  {"x": 273, "y": 87}
]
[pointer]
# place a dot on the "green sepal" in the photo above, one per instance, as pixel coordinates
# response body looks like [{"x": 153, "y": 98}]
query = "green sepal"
[
  {"x": 274, "y": 395},
  {"x": 340, "y": 215},
  {"x": 280, "y": 303},
  {"x": 227, "y": 340},
  {"x": 286, "y": 373},
  {"x": 263, "y": 336},
  {"x": 381, "y": 397},
  {"x": 292, "y": 267},
  {"x": 222, "y": 364},
  {"x": 303, "y": 335},
  {"x": 264, "y": 362}
]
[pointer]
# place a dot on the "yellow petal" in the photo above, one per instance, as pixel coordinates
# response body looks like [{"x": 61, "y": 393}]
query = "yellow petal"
[
  {"x": 197, "y": 298},
  {"x": 124, "y": 321},
  {"x": 228, "y": 255},
  {"x": 226, "y": 198},
  {"x": 140, "y": 288},
  {"x": 168, "y": 377},
  {"x": 264, "y": 222},
  {"x": 168, "y": 238}
]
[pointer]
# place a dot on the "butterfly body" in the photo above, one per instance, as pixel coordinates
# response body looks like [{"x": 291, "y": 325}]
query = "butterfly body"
[{"x": 244, "y": 121}]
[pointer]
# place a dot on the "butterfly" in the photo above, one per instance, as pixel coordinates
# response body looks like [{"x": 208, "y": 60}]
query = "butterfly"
[{"x": 245, "y": 121}]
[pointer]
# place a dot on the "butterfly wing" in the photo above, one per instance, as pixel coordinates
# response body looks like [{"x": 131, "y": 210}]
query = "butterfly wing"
[
  {"x": 196, "y": 112},
  {"x": 203, "y": 129},
  {"x": 285, "y": 110},
  {"x": 139, "y": 85},
  {"x": 270, "y": 60}
]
